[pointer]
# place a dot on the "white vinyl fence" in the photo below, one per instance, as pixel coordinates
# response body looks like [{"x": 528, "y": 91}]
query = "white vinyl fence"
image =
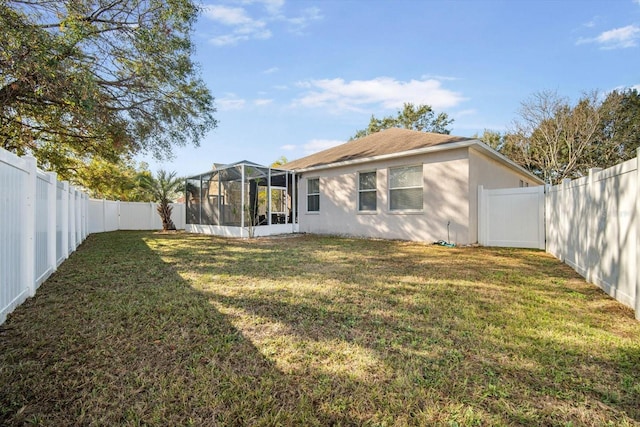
[
  {"x": 511, "y": 217},
  {"x": 41, "y": 222},
  {"x": 593, "y": 225},
  {"x": 108, "y": 215}
]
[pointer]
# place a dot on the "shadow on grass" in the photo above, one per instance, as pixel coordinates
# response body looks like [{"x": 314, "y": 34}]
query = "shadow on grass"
[
  {"x": 182, "y": 329},
  {"x": 513, "y": 335},
  {"x": 117, "y": 337}
]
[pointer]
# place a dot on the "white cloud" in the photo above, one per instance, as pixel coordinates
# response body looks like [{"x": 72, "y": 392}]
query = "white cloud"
[
  {"x": 381, "y": 92},
  {"x": 618, "y": 38},
  {"x": 241, "y": 25},
  {"x": 299, "y": 23},
  {"x": 228, "y": 15},
  {"x": 271, "y": 70},
  {"x": 230, "y": 102},
  {"x": 636, "y": 87},
  {"x": 288, "y": 147},
  {"x": 316, "y": 145},
  {"x": 260, "y": 102},
  {"x": 273, "y": 7}
]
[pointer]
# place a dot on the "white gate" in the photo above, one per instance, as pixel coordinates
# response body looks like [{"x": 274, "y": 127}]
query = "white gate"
[{"x": 512, "y": 217}]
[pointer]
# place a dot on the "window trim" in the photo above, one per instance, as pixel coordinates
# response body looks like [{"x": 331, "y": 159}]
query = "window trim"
[
  {"x": 313, "y": 194},
  {"x": 370, "y": 190},
  {"x": 390, "y": 188}
]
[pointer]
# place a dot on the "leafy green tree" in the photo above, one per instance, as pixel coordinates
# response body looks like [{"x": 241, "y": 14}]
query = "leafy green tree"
[
  {"x": 119, "y": 180},
  {"x": 493, "y": 139},
  {"x": 164, "y": 188},
  {"x": 619, "y": 136},
  {"x": 279, "y": 161},
  {"x": 421, "y": 118},
  {"x": 93, "y": 78}
]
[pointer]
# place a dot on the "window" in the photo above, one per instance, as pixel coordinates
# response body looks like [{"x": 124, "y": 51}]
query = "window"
[
  {"x": 313, "y": 195},
  {"x": 367, "y": 193},
  {"x": 405, "y": 188}
]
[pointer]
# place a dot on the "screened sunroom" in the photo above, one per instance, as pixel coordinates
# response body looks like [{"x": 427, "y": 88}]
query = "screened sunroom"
[{"x": 242, "y": 199}]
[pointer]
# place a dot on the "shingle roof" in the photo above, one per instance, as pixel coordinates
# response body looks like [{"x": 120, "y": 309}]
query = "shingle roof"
[{"x": 389, "y": 141}]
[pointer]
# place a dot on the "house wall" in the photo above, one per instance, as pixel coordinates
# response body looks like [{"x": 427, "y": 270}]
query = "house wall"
[
  {"x": 491, "y": 174},
  {"x": 446, "y": 192}
]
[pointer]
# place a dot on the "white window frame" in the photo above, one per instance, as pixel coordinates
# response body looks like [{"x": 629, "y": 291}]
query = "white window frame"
[
  {"x": 313, "y": 194},
  {"x": 370, "y": 190},
  {"x": 390, "y": 188}
]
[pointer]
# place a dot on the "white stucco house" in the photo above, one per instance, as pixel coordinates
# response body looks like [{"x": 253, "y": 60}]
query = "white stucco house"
[{"x": 394, "y": 184}]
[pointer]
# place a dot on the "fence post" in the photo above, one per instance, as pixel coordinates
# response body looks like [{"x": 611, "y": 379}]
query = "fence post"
[
  {"x": 84, "y": 207},
  {"x": 28, "y": 251},
  {"x": 64, "y": 221},
  {"x": 564, "y": 220},
  {"x": 78, "y": 218},
  {"x": 52, "y": 213},
  {"x": 481, "y": 216},
  {"x": 152, "y": 216},
  {"x": 542, "y": 233},
  {"x": 86, "y": 216},
  {"x": 547, "y": 214},
  {"x": 72, "y": 218},
  {"x": 592, "y": 215},
  {"x": 104, "y": 215},
  {"x": 637, "y": 219}
]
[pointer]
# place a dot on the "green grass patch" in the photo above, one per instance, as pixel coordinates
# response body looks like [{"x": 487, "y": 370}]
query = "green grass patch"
[{"x": 141, "y": 328}]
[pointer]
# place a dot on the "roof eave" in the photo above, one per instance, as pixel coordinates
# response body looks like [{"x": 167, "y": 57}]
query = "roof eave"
[
  {"x": 471, "y": 143},
  {"x": 431, "y": 149}
]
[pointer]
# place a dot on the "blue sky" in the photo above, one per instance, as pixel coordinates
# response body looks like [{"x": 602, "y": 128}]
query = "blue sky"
[{"x": 292, "y": 77}]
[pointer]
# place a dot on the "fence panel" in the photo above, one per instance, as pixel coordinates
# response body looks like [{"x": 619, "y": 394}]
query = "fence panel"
[
  {"x": 42, "y": 262},
  {"x": 34, "y": 216},
  {"x": 593, "y": 225},
  {"x": 512, "y": 217},
  {"x": 178, "y": 215},
  {"x": 138, "y": 216},
  {"x": 107, "y": 215},
  {"x": 14, "y": 174},
  {"x": 62, "y": 222}
]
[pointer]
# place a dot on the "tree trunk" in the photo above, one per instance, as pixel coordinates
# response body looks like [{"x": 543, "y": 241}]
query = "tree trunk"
[{"x": 164, "y": 209}]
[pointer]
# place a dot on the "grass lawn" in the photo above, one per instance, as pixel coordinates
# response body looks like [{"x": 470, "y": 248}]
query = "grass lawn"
[{"x": 141, "y": 328}]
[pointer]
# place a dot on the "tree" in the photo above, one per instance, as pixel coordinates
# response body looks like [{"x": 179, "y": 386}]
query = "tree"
[
  {"x": 421, "y": 118},
  {"x": 120, "y": 180},
  {"x": 164, "y": 188},
  {"x": 279, "y": 161},
  {"x": 619, "y": 133},
  {"x": 557, "y": 140},
  {"x": 94, "y": 78},
  {"x": 492, "y": 138},
  {"x": 552, "y": 138}
]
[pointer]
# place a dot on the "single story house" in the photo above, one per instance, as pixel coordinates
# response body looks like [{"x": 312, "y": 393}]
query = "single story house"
[
  {"x": 401, "y": 184},
  {"x": 394, "y": 184}
]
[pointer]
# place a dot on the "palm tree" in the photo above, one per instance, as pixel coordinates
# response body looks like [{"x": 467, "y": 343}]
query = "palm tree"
[{"x": 163, "y": 188}]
